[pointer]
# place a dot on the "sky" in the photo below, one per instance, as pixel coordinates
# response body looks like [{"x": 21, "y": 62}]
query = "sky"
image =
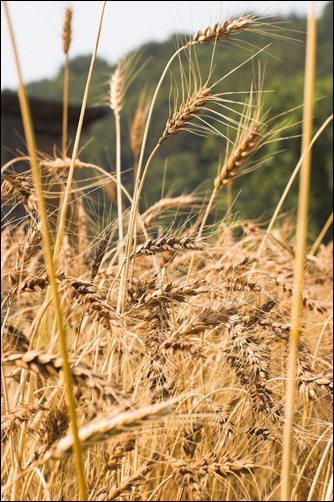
[{"x": 38, "y": 26}]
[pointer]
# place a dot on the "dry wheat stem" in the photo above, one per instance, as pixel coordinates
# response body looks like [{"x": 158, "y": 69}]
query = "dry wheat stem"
[
  {"x": 322, "y": 234},
  {"x": 306, "y": 462},
  {"x": 116, "y": 104},
  {"x": 59, "y": 238},
  {"x": 118, "y": 87},
  {"x": 303, "y": 201},
  {"x": 328, "y": 451},
  {"x": 77, "y": 140},
  {"x": 31, "y": 145}
]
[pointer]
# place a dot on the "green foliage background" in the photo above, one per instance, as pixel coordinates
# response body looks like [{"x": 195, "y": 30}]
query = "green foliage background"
[{"x": 189, "y": 162}]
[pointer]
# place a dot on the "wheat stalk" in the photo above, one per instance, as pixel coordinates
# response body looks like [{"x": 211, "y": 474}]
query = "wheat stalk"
[{"x": 31, "y": 145}]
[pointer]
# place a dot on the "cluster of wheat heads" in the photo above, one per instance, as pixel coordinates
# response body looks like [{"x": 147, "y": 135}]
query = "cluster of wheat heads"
[{"x": 176, "y": 338}]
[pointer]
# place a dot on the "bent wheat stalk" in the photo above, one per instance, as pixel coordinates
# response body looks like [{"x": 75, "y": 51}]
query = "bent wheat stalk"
[{"x": 209, "y": 35}]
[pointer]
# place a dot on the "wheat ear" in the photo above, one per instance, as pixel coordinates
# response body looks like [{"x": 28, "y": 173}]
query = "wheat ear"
[
  {"x": 137, "y": 131},
  {"x": 186, "y": 112},
  {"x": 221, "y": 31},
  {"x": 67, "y": 32},
  {"x": 104, "y": 429}
]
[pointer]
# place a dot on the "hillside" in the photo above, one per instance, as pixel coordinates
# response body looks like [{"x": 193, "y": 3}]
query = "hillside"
[{"x": 192, "y": 160}]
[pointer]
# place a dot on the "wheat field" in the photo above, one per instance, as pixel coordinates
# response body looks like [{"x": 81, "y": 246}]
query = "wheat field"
[{"x": 150, "y": 358}]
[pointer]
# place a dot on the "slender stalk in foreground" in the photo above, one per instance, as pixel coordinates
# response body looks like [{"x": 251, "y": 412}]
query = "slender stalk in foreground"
[
  {"x": 31, "y": 146},
  {"x": 303, "y": 200}
]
